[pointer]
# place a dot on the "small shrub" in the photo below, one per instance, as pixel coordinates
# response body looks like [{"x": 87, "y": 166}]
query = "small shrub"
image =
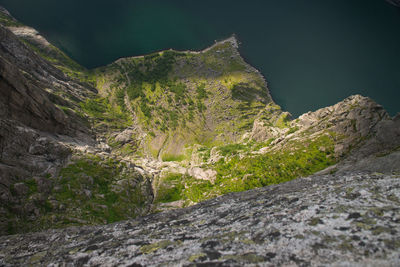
[
  {"x": 231, "y": 149},
  {"x": 201, "y": 92},
  {"x": 172, "y": 157}
]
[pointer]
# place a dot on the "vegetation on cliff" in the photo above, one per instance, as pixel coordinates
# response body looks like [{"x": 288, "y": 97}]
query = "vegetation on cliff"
[{"x": 169, "y": 129}]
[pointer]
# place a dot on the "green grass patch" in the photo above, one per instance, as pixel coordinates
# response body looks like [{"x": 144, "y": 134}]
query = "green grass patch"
[
  {"x": 103, "y": 203},
  {"x": 103, "y": 111},
  {"x": 283, "y": 121},
  {"x": 32, "y": 185},
  {"x": 170, "y": 189},
  {"x": 237, "y": 174},
  {"x": 293, "y": 129},
  {"x": 172, "y": 157},
  {"x": 201, "y": 91},
  {"x": 231, "y": 149},
  {"x": 299, "y": 159},
  {"x": 182, "y": 187}
]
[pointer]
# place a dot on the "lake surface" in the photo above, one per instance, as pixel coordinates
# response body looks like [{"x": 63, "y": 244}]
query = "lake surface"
[{"x": 313, "y": 53}]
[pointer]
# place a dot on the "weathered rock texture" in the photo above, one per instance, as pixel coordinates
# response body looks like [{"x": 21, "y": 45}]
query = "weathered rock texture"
[
  {"x": 356, "y": 122},
  {"x": 30, "y": 121},
  {"x": 342, "y": 220},
  {"x": 40, "y": 131}
]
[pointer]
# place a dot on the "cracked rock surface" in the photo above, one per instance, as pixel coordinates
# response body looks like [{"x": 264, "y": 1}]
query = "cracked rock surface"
[{"x": 352, "y": 219}]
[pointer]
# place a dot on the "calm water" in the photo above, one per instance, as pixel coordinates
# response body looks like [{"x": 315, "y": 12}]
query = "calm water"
[{"x": 313, "y": 53}]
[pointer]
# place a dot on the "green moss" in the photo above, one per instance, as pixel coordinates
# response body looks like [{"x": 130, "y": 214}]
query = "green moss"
[
  {"x": 246, "y": 92},
  {"x": 32, "y": 185},
  {"x": 275, "y": 167},
  {"x": 283, "y": 121},
  {"x": 170, "y": 189},
  {"x": 128, "y": 149},
  {"x": 172, "y": 157},
  {"x": 380, "y": 229},
  {"x": 201, "y": 92},
  {"x": 293, "y": 130},
  {"x": 153, "y": 68},
  {"x": 314, "y": 221},
  {"x": 120, "y": 96},
  {"x": 239, "y": 173},
  {"x": 195, "y": 257},
  {"x": 205, "y": 153},
  {"x": 7, "y": 21},
  {"x": 231, "y": 149},
  {"x": 35, "y": 259},
  {"x": 260, "y": 145},
  {"x": 103, "y": 204},
  {"x": 346, "y": 246},
  {"x": 181, "y": 187},
  {"x": 102, "y": 111},
  {"x": 392, "y": 244},
  {"x": 147, "y": 249}
]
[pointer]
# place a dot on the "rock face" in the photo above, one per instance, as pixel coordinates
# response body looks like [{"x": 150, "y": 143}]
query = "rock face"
[
  {"x": 23, "y": 99},
  {"x": 42, "y": 131},
  {"x": 30, "y": 120},
  {"x": 356, "y": 121},
  {"x": 342, "y": 220}
]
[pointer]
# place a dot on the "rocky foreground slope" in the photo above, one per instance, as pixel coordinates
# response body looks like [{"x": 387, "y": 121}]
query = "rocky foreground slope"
[{"x": 342, "y": 220}]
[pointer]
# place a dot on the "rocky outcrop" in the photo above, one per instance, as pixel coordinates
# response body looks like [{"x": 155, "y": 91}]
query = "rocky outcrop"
[
  {"x": 341, "y": 220},
  {"x": 380, "y": 152},
  {"x": 357, "y": 123},
  {"x": 202, "y": 174}
]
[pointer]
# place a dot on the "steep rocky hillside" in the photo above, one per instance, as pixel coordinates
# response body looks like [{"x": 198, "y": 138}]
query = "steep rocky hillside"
[
  {"x": 161, "y": 131},
  {"x": 338, "y": 220},
  {"x": 183, "y": 98},
  {"x": 46, "y": 141}
]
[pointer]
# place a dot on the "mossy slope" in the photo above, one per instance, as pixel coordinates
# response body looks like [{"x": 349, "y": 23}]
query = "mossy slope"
[{"x": 183, "y": 98}]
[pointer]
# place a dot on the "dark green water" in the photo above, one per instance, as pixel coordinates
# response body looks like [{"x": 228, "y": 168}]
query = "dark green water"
[{"x": 313, "y": 53}]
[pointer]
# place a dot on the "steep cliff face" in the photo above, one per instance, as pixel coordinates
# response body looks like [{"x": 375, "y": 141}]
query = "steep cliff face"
[
  {"x": 24, "y": 75},
  {"x": 165, "y": 130},
  {"x": 44, "y": 136},
  {"x": 30, "y": 119}
]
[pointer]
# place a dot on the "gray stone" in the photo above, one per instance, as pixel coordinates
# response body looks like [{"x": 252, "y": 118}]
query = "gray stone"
[
  {"x": 342, "y": 220},
  {"x": 21, "y": 189}
]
